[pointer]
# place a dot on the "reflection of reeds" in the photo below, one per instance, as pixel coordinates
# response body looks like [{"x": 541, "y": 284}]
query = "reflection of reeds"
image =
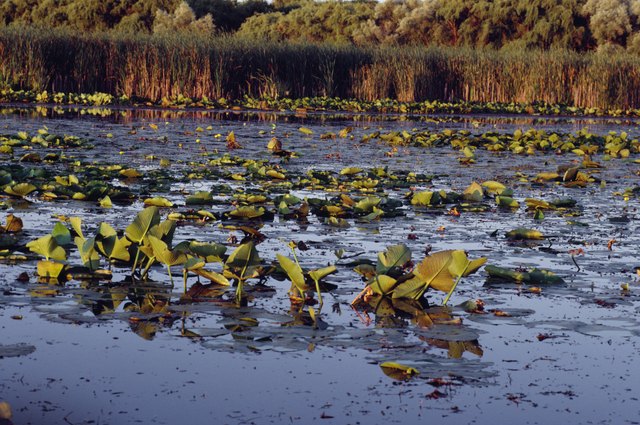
[{"x": 154, "y": 68}]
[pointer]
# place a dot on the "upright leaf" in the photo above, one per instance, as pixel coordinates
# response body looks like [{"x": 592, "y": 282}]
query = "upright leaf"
[
  {"x": 294, "y": 272},
  {"x": 145, "y": 219},
  {"x": 61, "y": 234},
  {"x": 48, "y": 248},
  {"x": 393, "y": 256}
]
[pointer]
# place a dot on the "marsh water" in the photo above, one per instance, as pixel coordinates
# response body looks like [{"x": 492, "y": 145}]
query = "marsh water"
[{"x": 73, "y": 353}]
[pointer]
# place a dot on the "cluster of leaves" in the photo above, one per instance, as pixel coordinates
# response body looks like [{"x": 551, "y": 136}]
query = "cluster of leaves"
[
  {"x": 147, "y": 240},
  {"x": 313, "y": 104},
  {"x": 394, "y": 275},
  {"x": 363, "y": 193},
  {"x": 573, "y": 24},
  {"x": 583, "y": 143}
]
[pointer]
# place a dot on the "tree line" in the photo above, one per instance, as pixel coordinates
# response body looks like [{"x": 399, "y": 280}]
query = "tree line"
[{"x": 580, "y": 25}]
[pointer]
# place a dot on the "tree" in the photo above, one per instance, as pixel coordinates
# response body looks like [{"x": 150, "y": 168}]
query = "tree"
[
  {"x": 610, "y": 21},
  {"x": 183, "y": 19}
]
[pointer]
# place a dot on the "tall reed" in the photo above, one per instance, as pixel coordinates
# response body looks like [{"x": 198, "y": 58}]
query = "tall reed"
[{"x": 153, "y": 68}]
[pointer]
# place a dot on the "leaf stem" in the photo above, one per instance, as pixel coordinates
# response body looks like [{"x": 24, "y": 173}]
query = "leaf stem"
[{"x": 455, "y": 284}]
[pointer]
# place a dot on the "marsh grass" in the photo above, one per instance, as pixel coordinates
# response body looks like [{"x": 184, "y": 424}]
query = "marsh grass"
[{"x": 153, "y": 68}]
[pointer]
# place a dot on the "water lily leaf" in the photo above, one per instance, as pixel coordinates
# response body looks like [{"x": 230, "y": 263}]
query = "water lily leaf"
[
  {"x": 461, "y": 266},
  {"x": 105, "y": 202},
  {"x": 422, "y": 198},
  {"x": 48, "y": 248},
  {"x": 50, "y": 269},
  {"x": 243, "y": 257},
  {"x": 289, "y": 199},
  {"x": 571, "y": 174},
  {"x": 274, "y": 144},
  {"x": 412, "y": 288},
  {"x": 164, "y": 255},
  {"x": 534, "y": 276},
  {"x": 158, "y": 201},
  {"x": 493, "y": 187},
  {"x": 293, "y": 270},
  {"x": 275, "y": 174},
  {"x": 544, "y": 277},
  {"x": 522, "y": 233},
  {"x": 434, "y": 271},
  {"x": 109, "y": 245},
  {"x": 14, "y": 224},
  {"x": 507, "y": 202},
  {"x": 20, "y": 190},
  {"x": 398, "y": 371},
  {"x": 564, "y": 203},
  {"x": 88, "y": 254},
  {"x": 306, "y": 131},
  {"x": 145, "y": 219},
  {"x": 393, "y": 256},
  {"x": 130, "y": 173},
  {"x": 256, "y": 199},
  {"x": 366, "y": 205},
  {"x": 283, "y": 208},
  {"x": 210, "y": 252},
  {"x": 547, "y": 176},
  {"x": 473, "y": 193},
  {"x": 164, "y": 231},
  {"x": 538, "y": 204},
  {"x": 214, "y": 277},
  {"x": 247, "y": 212},
  {"x": 67, "y": 180},
  {"x": 382, "y": 284},
  {"x": 232, "y": 143},
  {"x": 338, "y": 222},
  {"x": 349, "y": 171},
  {"x": 319, "y": 274},
  {"x": 194, "y": 263},
  {"x": 76, "y": 225},
  {"x": 367, "y": 271},
  {"x": 199, "y": 198},
  {"x": 506, "y": 274},
  {"x": 376, "y": 214}
]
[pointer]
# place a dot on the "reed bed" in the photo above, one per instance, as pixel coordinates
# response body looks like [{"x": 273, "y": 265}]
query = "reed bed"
[{"x": 153, "y": 68}]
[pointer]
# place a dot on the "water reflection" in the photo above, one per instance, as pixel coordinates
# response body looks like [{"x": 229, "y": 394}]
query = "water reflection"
[
  {"x": 133, "y": 115},
  {"x": 402, "y": 313}
]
